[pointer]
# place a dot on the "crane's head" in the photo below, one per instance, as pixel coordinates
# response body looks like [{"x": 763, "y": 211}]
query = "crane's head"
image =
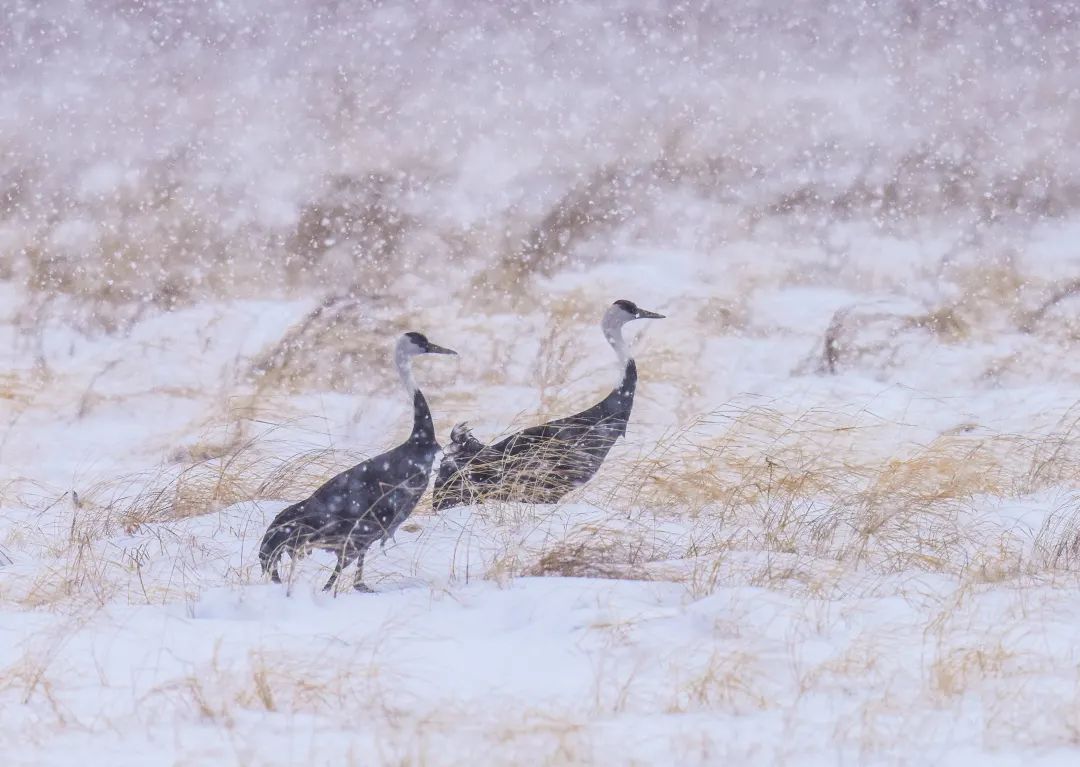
[
  {"x": 416, "y": 343},
  {"x": 617, "y": 315},
  {"x": 627, "y": 310}
]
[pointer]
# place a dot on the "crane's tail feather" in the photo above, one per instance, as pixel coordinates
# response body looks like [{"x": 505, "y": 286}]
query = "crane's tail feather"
[
  {"x": 275, "y": 543},
  {"x": 453, "y": 485},
  {"x": 462, "y": 442},
  {"x": 460, "y": 433}
]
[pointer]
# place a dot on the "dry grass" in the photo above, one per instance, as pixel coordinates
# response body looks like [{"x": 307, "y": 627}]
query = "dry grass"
[
  {"x": 822, "y": 486},
  {"x": 338, "y": 346},
  {"x": 811, "y": 488},
  {"x": 592, "y": 552},
  {"x": 248, "y": 473},
  {"x": 380, "y": 209},
  {"x": 729, "y": 681},
  {"x": 828, "y": 507},
  {"x": 351, "y": 690}
]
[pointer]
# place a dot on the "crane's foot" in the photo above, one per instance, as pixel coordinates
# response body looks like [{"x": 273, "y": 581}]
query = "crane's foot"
[{"x": 363, "y": 588}]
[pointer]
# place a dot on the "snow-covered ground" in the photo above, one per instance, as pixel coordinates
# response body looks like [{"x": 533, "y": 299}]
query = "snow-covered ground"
[
  {"x": 779, "y": 565},
  {"x": 842, "y": 528}
]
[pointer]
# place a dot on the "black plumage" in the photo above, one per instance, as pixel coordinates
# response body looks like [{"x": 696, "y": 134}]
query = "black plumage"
[
  {"x": 543, "y": 463},
  {"x": 366, "y": 503}
]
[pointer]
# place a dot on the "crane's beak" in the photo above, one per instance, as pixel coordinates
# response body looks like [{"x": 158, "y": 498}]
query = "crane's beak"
[
  {"x": 644, "y": 314},
  {"x": 436, "y": 349}
]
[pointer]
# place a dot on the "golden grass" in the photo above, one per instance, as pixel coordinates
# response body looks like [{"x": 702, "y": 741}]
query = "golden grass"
[
  {"x": 590, "y": 551},
  {"x": 818, "y": 487},
  {"x": 337, "y": 342},
  {"x": 823, "y": 485},
  {"x": 352, "y": 690}
]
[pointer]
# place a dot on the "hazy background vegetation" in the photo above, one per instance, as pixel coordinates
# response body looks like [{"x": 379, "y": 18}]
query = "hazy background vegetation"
[{"x": 165, "y": 152}]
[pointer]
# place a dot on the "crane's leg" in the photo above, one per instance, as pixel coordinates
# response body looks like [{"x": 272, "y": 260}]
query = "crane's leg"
[
  {"x": 294, "y": 558},
  {"x": 341, "y": 562},
  {"x": 358, "y": 583},
  {"x": 275, "y": 564}
]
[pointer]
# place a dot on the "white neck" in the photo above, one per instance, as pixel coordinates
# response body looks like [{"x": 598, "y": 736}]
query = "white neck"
[
  {"x": 612, "y": 324},
  {"x": 403, "y": 354}
]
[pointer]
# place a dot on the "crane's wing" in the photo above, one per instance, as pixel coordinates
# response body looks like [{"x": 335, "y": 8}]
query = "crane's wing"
[{"x": 536, "y": 465}]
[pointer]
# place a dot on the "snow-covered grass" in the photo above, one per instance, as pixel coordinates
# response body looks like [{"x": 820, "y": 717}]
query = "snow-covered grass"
[
  {"x": 780, "y": 564},
  {"x": 842, "y": 529}
]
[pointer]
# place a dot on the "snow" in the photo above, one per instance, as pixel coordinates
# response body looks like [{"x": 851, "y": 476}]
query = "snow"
[
  {"x": 162, "y": 643},
  {"x": 841, "y": 529}
]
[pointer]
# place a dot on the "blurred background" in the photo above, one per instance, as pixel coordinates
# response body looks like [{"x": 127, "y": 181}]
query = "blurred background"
[
  {"x": 827, "y": 198},
  {"x": 162, "y": 153}
]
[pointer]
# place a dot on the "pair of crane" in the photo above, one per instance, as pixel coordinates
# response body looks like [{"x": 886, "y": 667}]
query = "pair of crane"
[{"x": 541, "y": 464}]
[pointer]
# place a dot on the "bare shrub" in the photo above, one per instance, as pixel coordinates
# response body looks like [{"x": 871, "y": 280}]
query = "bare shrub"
[
  {"x": 879, "y": 337},
  {"x": 1040, "y": 316}
]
